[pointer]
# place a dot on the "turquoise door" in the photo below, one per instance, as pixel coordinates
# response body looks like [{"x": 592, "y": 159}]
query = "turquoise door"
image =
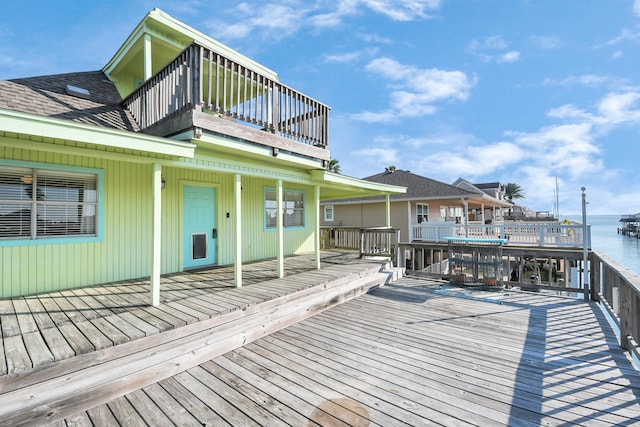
[{"x": 199, "y": 226}]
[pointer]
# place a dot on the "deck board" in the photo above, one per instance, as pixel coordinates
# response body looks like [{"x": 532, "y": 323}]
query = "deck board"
[
  {"x": 413, "y": 352},
  {"x": 406, "y": 354}
]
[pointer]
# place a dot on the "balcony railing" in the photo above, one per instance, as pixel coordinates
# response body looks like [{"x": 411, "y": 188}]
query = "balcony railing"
[
  {"x": 521, "y": 233},
  {"x": 199, "y": 78}
]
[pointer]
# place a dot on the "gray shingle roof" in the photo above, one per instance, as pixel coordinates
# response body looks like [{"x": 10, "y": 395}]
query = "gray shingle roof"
[
  {"x": 418, "y": 186},
  {"x": 47, "y": 96}
]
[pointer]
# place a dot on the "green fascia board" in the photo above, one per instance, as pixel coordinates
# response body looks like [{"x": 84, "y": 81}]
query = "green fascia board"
[
  {"x": 351, "y": 187},
  {"x": 66, "y": 130},
  {"x": 160, "y": 24}
]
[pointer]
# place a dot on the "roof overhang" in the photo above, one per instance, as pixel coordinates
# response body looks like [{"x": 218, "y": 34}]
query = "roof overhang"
[
  {"x": 335, "y": 186},
  {"x": 65, "y": 130},
  {"x": 173, "y": 32}
]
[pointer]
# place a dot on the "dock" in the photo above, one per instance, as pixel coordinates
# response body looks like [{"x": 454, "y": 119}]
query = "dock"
[{"x": 351, "y": 344}]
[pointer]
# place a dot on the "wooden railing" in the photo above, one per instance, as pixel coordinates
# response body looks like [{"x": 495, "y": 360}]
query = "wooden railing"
[
  {"x": 520, "y": 233},
  {"x": 371, "y": 241},
  {"x": 199, "y": 78},
  {"x": 617, "y": 289}
]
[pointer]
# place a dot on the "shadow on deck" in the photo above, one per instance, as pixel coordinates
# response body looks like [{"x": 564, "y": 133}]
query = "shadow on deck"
[{"x": 332, "y": 347}]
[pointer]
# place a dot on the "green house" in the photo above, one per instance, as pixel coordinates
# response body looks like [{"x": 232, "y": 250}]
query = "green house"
[{"x": 180, "y": 153}]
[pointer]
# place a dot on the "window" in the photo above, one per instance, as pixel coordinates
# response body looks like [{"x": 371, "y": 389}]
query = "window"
[
  {"x": 292, "y": 208},
  {"x": 443, "y": 212},
  {"x": 328, "y": 213},
  {"x": 422, "y": 213},
  {"x": 40, "y": 203}
]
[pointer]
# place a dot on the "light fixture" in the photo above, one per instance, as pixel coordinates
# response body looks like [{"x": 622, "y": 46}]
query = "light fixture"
[
  {"x": 275, "y": 151},
  {"x": 163, "y": 182}
]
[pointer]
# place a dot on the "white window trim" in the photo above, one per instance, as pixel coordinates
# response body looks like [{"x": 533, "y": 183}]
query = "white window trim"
[{"x": 329, "y": 213}]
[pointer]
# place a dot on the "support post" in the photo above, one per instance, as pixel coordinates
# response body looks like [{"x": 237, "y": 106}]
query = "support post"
[
  {"x": 156, "y": 244},
  {"x": 237, "y": 262},
  {"x": 148, "y": 69},
  {"x": 387, "y": 211},
  {"x": 279, "y": 228},
  {"x": 317, "y": 233}
]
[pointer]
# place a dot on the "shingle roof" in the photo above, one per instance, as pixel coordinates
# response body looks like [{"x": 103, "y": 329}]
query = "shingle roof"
[
  {"x": 418, "y": 187},
  {"x": 47, "y": 96}
]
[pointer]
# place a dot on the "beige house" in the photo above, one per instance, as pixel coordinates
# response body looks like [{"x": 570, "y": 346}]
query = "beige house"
[{"x": 426, "y": 201}]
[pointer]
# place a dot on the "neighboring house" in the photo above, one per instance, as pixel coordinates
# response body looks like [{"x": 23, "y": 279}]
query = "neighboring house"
[
  {"x": 180, "y": 153},
  {"x": 425, "y": 201},
  {"x": 493, "y": 192}
]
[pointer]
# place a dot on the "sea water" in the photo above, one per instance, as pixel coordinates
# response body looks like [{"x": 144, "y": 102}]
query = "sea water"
[{"x": 605, "y": 239}]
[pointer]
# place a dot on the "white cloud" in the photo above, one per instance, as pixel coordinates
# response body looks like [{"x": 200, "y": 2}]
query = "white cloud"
[
  {"x": 493, "y": 48},
  {"x": 625, "y": 35},
  {"x": 278, "y": 20},
  {"x": 511, "y": 56},
  {"x": 588, "y": 80},
  {"x": 413, "y": 91},
  {"x": 546, "y": 42},
  {"x": 403, "y": 10},
  {"x": 350, "y": 57},
  {"x": 618, "y": 108}
]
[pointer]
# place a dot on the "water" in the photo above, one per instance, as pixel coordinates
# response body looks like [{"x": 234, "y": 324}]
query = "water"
[{"x": 605, "y": 239}]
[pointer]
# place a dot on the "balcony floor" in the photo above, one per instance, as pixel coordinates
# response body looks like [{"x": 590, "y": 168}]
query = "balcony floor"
[{"x": 413, "y": 352}]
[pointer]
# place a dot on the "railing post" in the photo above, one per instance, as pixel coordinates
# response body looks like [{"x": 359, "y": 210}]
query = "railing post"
[
  {"x": 275, "y": 114},
  {"x": 542, "y": 230}
]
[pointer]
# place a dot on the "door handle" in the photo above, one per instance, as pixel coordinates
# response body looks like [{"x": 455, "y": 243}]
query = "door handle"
[{"x": 214, "y": 233}]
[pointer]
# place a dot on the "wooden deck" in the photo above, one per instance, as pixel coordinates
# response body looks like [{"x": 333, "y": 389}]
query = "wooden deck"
[{"x": 413, "y": 352}]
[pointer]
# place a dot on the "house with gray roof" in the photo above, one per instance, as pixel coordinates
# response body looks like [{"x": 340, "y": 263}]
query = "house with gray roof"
[{"x": 425, "y": 201}]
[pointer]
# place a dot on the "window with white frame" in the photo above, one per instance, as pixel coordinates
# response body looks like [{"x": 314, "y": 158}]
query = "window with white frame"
[
  {"x": 40, "y": 203},
  {"x": 422, "y": 213},
  {"x": 293, "y": 213},
  {"x": 328, "y": 213},
  {"x": 443, "y": 212}
]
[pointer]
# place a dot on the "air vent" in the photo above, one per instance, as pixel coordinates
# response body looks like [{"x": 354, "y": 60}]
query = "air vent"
[{"x": 78, "y": 92}]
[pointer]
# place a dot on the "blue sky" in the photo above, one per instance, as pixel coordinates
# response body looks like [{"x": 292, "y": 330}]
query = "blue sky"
[{"x": 522, "y": 91}]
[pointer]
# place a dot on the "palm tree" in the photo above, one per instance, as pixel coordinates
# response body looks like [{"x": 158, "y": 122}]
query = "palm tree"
[
  {"x": 513, "y": 191},
  {"x": 333, "y": 166}
]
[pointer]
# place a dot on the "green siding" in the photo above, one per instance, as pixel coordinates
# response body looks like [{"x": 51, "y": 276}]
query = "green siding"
[{"x": 125, "y": 251}]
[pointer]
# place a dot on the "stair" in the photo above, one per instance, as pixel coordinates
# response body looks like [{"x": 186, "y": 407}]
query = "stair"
[{"x": 67, "y": 387}]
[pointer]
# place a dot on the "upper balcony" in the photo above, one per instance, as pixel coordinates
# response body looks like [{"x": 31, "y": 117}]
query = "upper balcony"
[{"x": 204, "y": 90}]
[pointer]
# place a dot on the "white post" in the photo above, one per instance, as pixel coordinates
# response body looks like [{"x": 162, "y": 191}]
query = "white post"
[
  {"x": 387, "y": 211},
  {"x": 237, "y": 263},
  {"x": 317, "y": 240},
  {"x": 411, "y": 233},
  {"x": 148, "y": 70},
  {"x": 279, "y": 228},
  {"x": 466, "y": 215},
  {"x": 154, "y": 297},
  {"x": 585, "y": 247}
]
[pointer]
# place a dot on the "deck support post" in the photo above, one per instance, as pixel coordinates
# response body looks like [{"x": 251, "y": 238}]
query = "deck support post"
[
  {"x": 154, "y": 297},
  {"x": 317, "y": 231},
  {"x": 237, "y": 261},
  {"x": 279, "y": 226}
]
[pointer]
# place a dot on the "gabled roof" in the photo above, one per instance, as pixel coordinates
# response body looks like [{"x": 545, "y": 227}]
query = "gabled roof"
[
  {"x": 418, "y": 187},
  {"x": 47, "y": 96}
]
